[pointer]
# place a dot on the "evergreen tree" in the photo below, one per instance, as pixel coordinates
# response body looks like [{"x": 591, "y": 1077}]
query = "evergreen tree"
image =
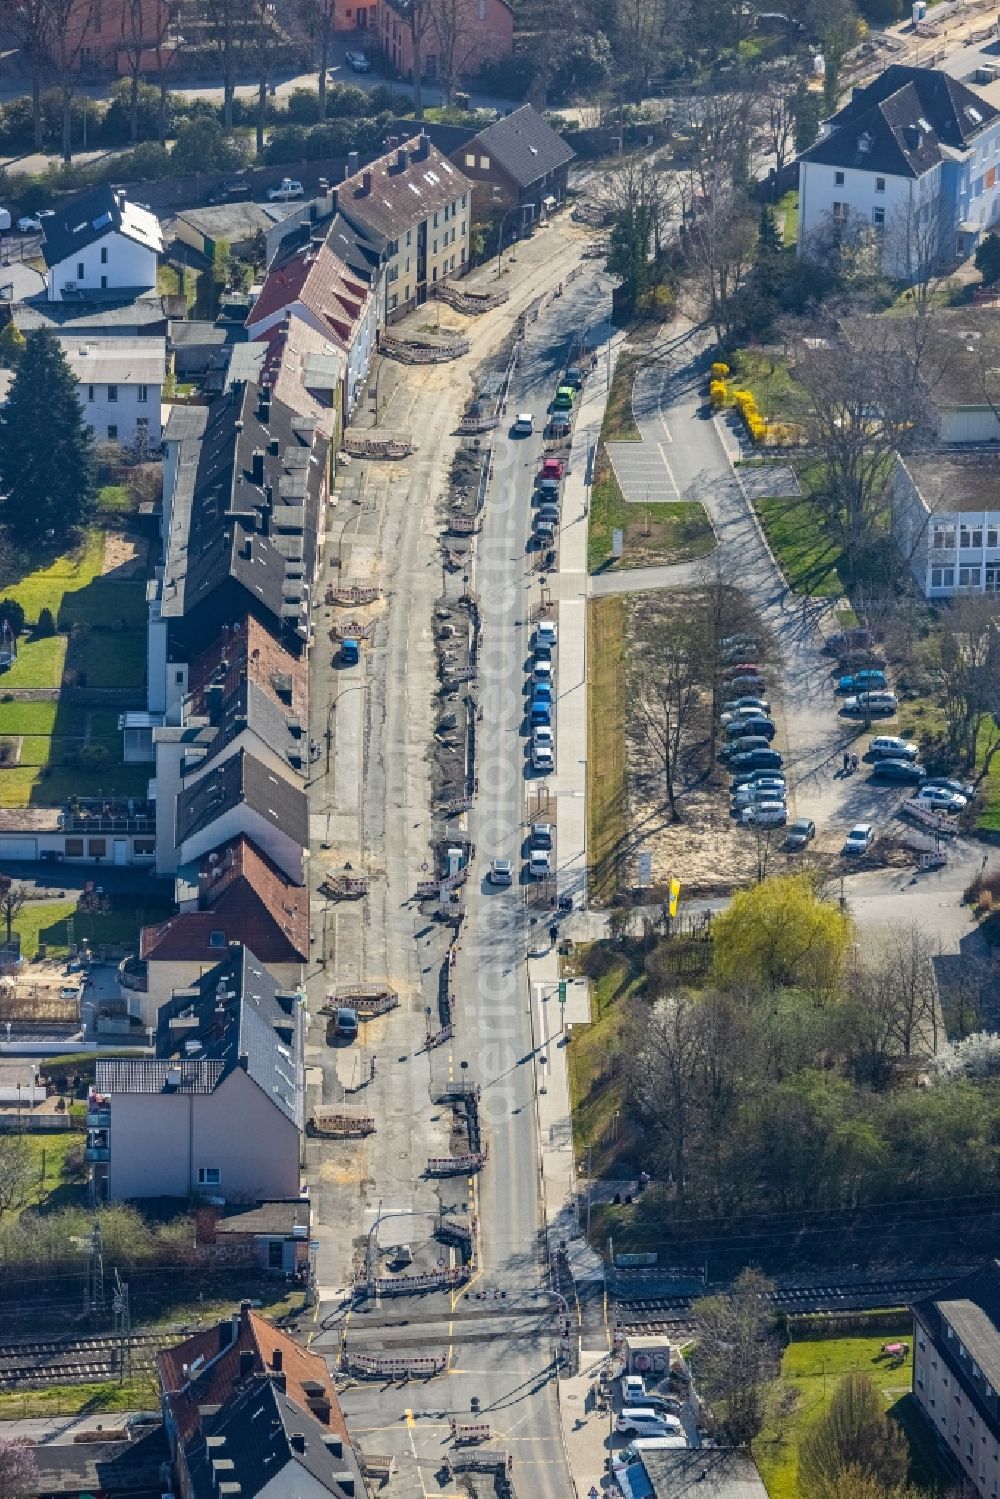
[
  {"x": 769, "y": 240},
  {"x": 11, "y": 345},
  {"x": 46, "y": 452},
  {"x": 988, "y": 259}
]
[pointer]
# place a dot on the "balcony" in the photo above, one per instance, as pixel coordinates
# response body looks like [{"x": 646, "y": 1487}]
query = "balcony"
[
  {"x": 98, "y": 1153},
  {"x": 133, "y": 973},
  {"x": 98, "y": 1118},
  {"x": 96, "y": 815}
]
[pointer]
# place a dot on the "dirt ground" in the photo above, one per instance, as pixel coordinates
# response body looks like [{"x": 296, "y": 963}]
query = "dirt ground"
[{"x": 124, "y": 554}]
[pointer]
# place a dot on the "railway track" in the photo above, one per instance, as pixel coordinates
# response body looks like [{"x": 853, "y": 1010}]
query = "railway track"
[
  {"x": 645, "y": 1314},
  {"x": 72, "y": 1361}
]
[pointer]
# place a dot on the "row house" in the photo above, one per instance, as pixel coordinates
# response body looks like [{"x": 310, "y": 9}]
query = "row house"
[
  {"x": 218, "y": 1110},
  {"x": 120, "y": 383}
]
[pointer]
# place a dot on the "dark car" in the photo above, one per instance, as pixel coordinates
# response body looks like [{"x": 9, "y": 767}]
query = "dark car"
[
  {"x": 960, "y": 788},
  {"x": 574, "y": 377},
  {"x": 560, "y": 424},
  {"x": 547, "y": 512},
  {"x": 548, "y": 489},
  {"x": 762, "y": 758},
  {"x": 739, "y": 747},
  {"x": 801, "y": 832},
  {"x": 751, "y": 777},
  {"x": 898, "y": 770},
  {"x": 740, "y": 728}
]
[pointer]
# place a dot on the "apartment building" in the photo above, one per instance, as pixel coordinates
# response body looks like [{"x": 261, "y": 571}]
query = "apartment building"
[
  {"x": 420, "y": 203},
  {"x": 455, "y": 41},
  {"x": 956, "y": 1375},
  {"x": 946, "y": 521}
]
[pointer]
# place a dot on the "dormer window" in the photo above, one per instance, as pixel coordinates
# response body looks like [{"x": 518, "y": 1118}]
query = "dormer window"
[{"x": 865, "y": 142}]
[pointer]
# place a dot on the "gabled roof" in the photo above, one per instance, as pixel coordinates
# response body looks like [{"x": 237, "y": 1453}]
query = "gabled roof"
[
  {"x": 204, "y": 1371},
  {"x": 243, "y": 897},
  {"x": 243, "y": 779},
  {"x": 228, "y": 524},
  {"x": 247, "y": 680},
  {"x": 359, "y": 248},
  {"x": 87, "y": 220},
  {"x": 400, "y": 189},
  {"x": 312, "y": 275},
  {"x": 147, "y": 1075},
  {"x": 107, "y": 1468},
  {"x": 305, "y": 367},
  {"x": 524, "y": 145},
  {"x": 237, "y": 1016},
  {"x": 903, "y": 123}
]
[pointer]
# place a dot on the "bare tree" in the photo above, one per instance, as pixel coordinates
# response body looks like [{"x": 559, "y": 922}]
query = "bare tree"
[
  {"x": 17, "y": 1173},
  {"x": 18, "y": 1468},
  {"x": 778, "y": 126},
  {"x": 666, "y": 1085},
  {"x": 166, "y": 57},
  {"x": 28, "y": 21},
  {"x": 134, "y": 45},
  {"x": 639, "y": 33},
  {"x": 666, "y": 674},
  {"x": 964, "y": 660},
  {"x": 456, "y": 33},
  {"x": 226, "y": 20},
  {"x": 735, "y": 1360},
  {"x": 12, "y": 898},
  {"x": 67, "y": 25},
  {"x": 317, "y": 16},
  {"x": 895, "y": 990}
]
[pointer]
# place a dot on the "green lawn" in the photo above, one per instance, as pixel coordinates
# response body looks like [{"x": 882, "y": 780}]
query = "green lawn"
[
  {"x": 114, "y": 499},
  {"x": 779, "y": 397},
  {"x": 810, "y": 1370},
  {"x": 71, "y": 586},
  {"x": 654, "y": 534},
  {"x": 141, "y": 1393},
  {"x": 49, "y": 1152},
  {"x": 115, "y": 658},
  {"x": 787, "y": 209},
  {"x": 989, "y": 818},
  {"x": 606, "y": 803},
  {"x": 599, "y": 1092},
  {"x": 39, "y": 663},
  {"x": 619, "y": 423},
  {"x": 45, "y": 921},
  {"x": 805, "y": 553}
]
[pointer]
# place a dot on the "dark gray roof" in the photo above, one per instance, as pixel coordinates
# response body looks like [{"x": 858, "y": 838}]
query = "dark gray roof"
[
  {"x": 358, "y": 248},
  {"x": 108, "y": 1468},
  {"x": 239, "y": 1018},
  {"x": 277, "y": 1217},
  {"x": 147, "y": 1075},
  {"x": 903, "y": 123},
  {"x": 970, "y": 1308},
  {"x": 256, "y": 1435},
  {"x": 242, "y": 778},
  {"x": 89, "y": 218},
  {"x": 227, "y": 525},
  {"x": 525, "y": 146},
  {"x": 114, "y": 313},
  {"x": 707, "y": 1473}
]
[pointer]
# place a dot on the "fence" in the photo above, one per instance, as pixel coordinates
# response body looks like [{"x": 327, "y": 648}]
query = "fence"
[
  {"x": 374, "y": 1366},
  {"x": 453, "y": 1165},
  {"x": 406, "y": 1285},
  {"x": 39, "y": 1124},
  {"x": 340, "y": 1123},
  {"x": 477, "y": 1432}
]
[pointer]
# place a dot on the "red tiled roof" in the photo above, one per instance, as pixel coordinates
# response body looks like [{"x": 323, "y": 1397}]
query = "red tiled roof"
[
  {"x": 307, "y": 1378},
  {"x": 316, "y": 277},
  {"x": 249, "y": 652}
]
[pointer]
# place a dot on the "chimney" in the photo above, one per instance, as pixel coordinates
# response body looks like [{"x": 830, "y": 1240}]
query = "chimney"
[
  {"x": 246, "y": 1363},
  {"x": 353, "y": 162},
  {"x": 264, "y": 404},
  {"x": 244, "y": 1061},
  {"x": 257, "y": 466},
  {"x": 298, "y": 1441},
  {"x": 245, "y": 1315},
  {"x": 276, "y": 1360},
  {"x": 366, "y": 182},
  {"x": 423, "y": 147},
  {"x": 273, "y": 447},
  {"x": 401, "y": 158}
]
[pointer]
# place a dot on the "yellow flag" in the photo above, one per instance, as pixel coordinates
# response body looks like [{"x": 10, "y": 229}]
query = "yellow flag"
[{"x": 675, "y": 895}]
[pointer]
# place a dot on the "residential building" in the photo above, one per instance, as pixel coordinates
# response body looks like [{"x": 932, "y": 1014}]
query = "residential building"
[
  {"x": 956, "y": 1374},
  {"x": 946, "y": 521},
  {"x": 219, "y": 1110},
  {"x": 107, "y": 36},
  {"x": 421, "y": 206},
  {"x": 275, "y": 1234},
  {"x": 308, "y": 371},
  {"x": 232, "y": 894},
  {"x": 960, "y": 372},
  {"x": 454, "y": 43},
  {"x": 121, "y": 387},
  {"x": 234, "y": 226},
  {"x": 698, "y": 1473},
  {"x": 242, "y": 795},
  {"x": 100, "y": 243},
  {"x": 519, "y": 168},
  {"x": 90, "y": 831},
  {"x": 94, "y": 315},
  {"x": 310, "y": 284},
  {"x": 914, "y": 158},
  {"x": 244, "y": 494}
]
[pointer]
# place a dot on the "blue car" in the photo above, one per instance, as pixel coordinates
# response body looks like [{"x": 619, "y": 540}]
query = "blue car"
[
  {"x": 540, "y": 712},
  {"x": 863, "y": 681},
  {"x": 541, "y": 692}
]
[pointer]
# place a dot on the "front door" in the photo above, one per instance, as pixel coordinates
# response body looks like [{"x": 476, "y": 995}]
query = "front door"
[{"x": 121, "y": 850}]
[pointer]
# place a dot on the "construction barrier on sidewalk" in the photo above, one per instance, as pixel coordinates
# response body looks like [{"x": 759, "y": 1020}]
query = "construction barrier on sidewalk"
[
  {"x": 378, "y": 1465},
  {"x": 354, "y": 593},
  {"x": 375, "y": 1366},
  {"x": 939, "y": 821},
  {"x": 461, "y": 1432},
  {"x": 471, "y": 302},
  {"x": 340, "y": 1122},
  {"x": 371, "y": 444},
  {"x": 406, "y": 1285},
  {"x": 368, "y": 1000},
  {"x": 352, "y": 629},
  {"x": 345, "y": 886},
  {"x": 452, "y": 1165},
  {"x": 428, "y": 350}
]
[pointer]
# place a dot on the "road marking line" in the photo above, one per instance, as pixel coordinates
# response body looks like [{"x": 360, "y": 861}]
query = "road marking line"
[{"x": 670, "y": 475}]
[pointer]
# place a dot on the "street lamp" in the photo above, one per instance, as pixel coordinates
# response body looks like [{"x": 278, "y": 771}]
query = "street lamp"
[{"x": 357, "y": 687}]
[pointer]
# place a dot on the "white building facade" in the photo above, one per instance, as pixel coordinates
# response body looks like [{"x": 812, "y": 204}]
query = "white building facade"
[{"x": 120, "y": 382}]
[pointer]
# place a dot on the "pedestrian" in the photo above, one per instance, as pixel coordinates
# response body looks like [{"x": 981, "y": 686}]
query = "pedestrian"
[
  {"x": 847, "y": 762},
  {"x": 854, "y": 762}
]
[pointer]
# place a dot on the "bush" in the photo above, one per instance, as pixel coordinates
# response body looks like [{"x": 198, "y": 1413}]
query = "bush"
[
  {"x": 719, "y": 370},
  {"x": 203, "y": 146},
  {"x": 12, "y": 612},
  {"x": 46, "y": 624},
  {"x": 718, "y": 393},
  {"x": 303, "y": 106},
  {"x": 93, "y": 757}
]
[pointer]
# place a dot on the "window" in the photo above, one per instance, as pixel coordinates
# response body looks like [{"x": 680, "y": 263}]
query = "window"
[
  {"x": 393, "y": 301},
  {"x": 217, "y": 939},
  {"x": 142, "y": 426},
  {"x": 97, "y": 847},
  {"x": 841, "y": 212},
  {"x": 943, "y": 537},
  {"x": 452, "y": 266},
  {"x": 112, "y": 392},
  {"x": 407, "y": 265},
  {"x": 104, "y": 283},
  {"x": 104, "y": 254},
  {"x": 463, "y": 226},
  {"x": 497, "y": 194},
  {"x": 436, "y": 217},
  {"x": 113, "y": 432},
  {"x": 90, "y": 392},
  {"x": 838, "y": 179},
  {"x": 179, "y": 677},
  {"x": 970, "y": 536},
  {"x": 79, "y": 270},
  {"x": 409, "y": 236},
  {"x": 209, "y": 1176},
  {"x": 463, "y": 255},
  {"x": 470, "y": 158},
  {"x": 144, "y": 846},
  {"x": 435, "y": 249},
  {"x": 878, "y": 218},
  {"x": 942, "y": 577},
  {"x": 275, "y": 1250},
  {"x": 74, "y": 848},
  {"x": 993, "y": 536},
  {"x": 143, "y": 394},
  {"x": 880, "y": 184},
  {"x": 969, "y": 577},
  {"x": 97, "y": 15}
]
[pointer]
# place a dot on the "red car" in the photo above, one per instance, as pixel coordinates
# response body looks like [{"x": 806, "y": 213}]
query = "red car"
[
  {"x": 552, "y": 468},
  {"x": 749, "y": 667}
]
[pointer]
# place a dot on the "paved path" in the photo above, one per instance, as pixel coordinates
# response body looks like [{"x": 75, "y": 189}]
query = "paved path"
[{"x": 643, "y": 468}]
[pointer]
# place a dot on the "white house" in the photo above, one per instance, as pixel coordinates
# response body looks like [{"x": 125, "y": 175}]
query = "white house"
[
  {"x": 121, "y": 387},
  {"x": 100, "y": 243},
  {"x": 946, "y": 521},
  {"x": 914, "y": 158}
]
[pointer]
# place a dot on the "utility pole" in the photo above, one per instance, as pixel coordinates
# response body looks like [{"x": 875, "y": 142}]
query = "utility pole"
[
  {"x": 123, "y": 1327},
  {"x": 94, "y": 1301}
]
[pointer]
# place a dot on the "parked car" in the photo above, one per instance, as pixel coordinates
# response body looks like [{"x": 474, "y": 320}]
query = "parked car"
[
  {"x": 542, "y": 759},
  {"x": 740, "y": 728},
  {"x": 541, "y": 652},
  {"x": 734, "y": 704},
  {"x": 633, "y": 1389},
  {"x": 848, "y": 640},
  {"x": 754, "y": 777},
  {"x": 892, "y": 745},
  {"x": 541, "y": 671},
  {"x": 5, "y": 219},
  {"x": 859, "y": 840},
  {"x": 500, "y": 872},
  {"x": 357, "y": 62},
  {"x": 734, "y": 715},
  {"x": 540, "y": 711},
  {"x": 548, "y": 489},
  {"x": 564, "y": 398},
  {"x": 345, "y": 1024},
  {"x": 541, "y": 835},
  {"x": 542, "y": 734},
  {"x": 758, "y": 758},
  {"x": 871, "y": 705},
  {"x": 524, "y": 424},
  {"x": 574, "y": 377},
  {"x": 889, "y": 769},
  {"x": 560, "y": 424},
  {"x": 765, "y": 815},
  {"x": 643, "y": 1421},
  {"x": 742, "y": 642},
  {"x": 738, "y": 685},
  {"x": 34, "y": 222},
  {"x": 287, "y": 189},
  {"x": 959, "y": 787},
  {"x": 862, "y": 681},
  {"x": 539, "y": 864},
  {"x": 552, "y": 468},
  {"x": 547, "y": 633},
  {"x": 800, "y": 832},
  {"x": 546, "y": 512},
  {"x": 939, "y": 799},
  {"x": 737, "y": 747},
  {"x": 770, "y": 788}
]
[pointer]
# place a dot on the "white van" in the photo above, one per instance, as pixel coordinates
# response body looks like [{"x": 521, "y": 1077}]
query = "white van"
[
  {"x": 634, "y": 1451},
  {"x": 5, "y": 219},
  {"x": 643, "y": 1421}
]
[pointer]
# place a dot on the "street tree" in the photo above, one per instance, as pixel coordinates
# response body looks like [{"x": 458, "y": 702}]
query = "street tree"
[
  {"x": 639, "y": 196},
  {"x": 855, "y": 1433},
  {"x": 18, "y": 1468},
  {"x": 736, "y": 1361},
  {"x": 893, "y": 984},
  {"x": 12, "y": 899},
  {"x": 987, "y": 259},
  {"x": 46, "y": 451},
  {"x": 781, "y": 934},
  {"x": 317, "y": 18},
  {"x": 17, "y": 1173},
  {"x": 29, "y": 23},
  {"x": 227, "y": 20},
  {"x": 457, "y": 36},
  {"x": 67, "y": 25},
  {"x": 719, "y": 237}
]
